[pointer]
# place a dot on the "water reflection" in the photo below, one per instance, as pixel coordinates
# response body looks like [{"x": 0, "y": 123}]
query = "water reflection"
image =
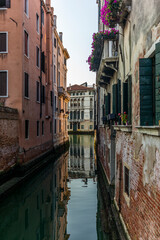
[
  {"x": 60, "y": 202},
  {"x": 37, "y": 210}
]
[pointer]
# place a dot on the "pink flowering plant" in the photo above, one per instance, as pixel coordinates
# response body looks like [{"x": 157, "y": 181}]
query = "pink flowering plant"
[
  {"x": 110, "y": 12},
  {"x": 124, "y": 117},
  {"x": 97, "y": 47}
]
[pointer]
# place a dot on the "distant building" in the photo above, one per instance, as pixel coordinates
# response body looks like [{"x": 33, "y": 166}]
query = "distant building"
[{"x": 81, "y": 108}]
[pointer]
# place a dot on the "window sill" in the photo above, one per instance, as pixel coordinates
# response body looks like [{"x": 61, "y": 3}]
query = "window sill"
[
  {"x": 149, "y": 130},
  {"x": 3, "y": 52},
  {"x": 1, "y": 9},
  {"x": 127, "y": 199},
  {"x": 123, "y": 128},
  {"x": 26, "y": 98}
]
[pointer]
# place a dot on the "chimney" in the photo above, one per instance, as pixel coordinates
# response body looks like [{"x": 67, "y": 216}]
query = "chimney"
[
  {"x": 61, "y": 36},
  {"x": 55, "y": 21}
]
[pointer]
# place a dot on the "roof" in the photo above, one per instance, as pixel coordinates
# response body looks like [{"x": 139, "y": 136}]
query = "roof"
[{"x": 78, "y": 88}]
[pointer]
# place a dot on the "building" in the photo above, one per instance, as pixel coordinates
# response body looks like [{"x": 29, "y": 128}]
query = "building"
[
  {"x": 128, "y": 135},
  {"x": 81, "y": 108},
  {"x": 60, "y": 95},
  {"x": 27, "y": 80}
]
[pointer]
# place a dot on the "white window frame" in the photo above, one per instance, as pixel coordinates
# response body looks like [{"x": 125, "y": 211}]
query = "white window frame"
[
  {"x": 7, "y": 83},
  {"x": 27, "y": 44},
  {"x": 6, "y": 42},
  {"x": 27, "y": 14}
]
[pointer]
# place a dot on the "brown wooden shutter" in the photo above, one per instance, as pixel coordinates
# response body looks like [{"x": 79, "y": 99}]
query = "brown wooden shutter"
[
  {"x": 3, "y": 84},
  {"x": 3, "y": 45}
]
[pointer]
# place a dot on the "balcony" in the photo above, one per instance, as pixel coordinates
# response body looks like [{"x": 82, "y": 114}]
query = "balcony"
[
  {"x": 63, "y": 93},
  {"x": 109, "y": 62}
]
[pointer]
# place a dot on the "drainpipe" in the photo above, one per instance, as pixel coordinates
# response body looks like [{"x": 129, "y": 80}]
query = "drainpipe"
[{"x": 41, "y": 61}]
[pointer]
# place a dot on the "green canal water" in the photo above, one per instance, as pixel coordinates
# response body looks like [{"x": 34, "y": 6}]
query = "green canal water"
[{"x": 63, "y": 201}]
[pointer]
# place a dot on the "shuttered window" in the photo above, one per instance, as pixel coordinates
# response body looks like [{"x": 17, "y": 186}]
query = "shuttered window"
[
  {"x": 114, "y": 99},
  {"x": 3, "y": 83},
  {"x": 146, "y": 91},
  {"x": 130, "y": 100},
  {"x": 157, "y": 84},
  {"x": 107, "y": 104},
  {"x": 37, "y": 22},
  {"x": 38, "y": 91},
  {"x": 43, "y": 62},
  {"x": 26, "y": 44},
  {"x": 119, "y": 96},
  {"x": 26, "y": 85},
  {"x": 5, "y": 4},
  {"x": 3, "y": 42},
  {"x": 51, "y": 94},
  {"x": 37, "y": 56},
  {"x": 125, "y": 97},
  {"x": 43, "y": 94}
]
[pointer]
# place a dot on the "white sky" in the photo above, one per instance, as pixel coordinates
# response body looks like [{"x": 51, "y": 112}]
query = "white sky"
[{"x": 78, "y": 20}]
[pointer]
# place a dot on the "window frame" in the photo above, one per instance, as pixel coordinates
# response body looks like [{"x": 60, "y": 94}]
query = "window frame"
[
  {"x": 38, "y": 128},
  {"x": 27, "y": 136},
  {"x": 6, "y": 82},
  {"x": 42, "y": 128},
  {"x": 37, "y": 92},
  {"x": 127, "y": 193},
  {"x": 6, "y": 42}
]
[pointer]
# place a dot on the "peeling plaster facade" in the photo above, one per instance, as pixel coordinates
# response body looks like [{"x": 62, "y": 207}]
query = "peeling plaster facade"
[{"x": 134, "y": 147}]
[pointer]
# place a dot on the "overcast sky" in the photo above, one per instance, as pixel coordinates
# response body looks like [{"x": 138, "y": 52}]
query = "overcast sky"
[{"x": 78, "y": 20}]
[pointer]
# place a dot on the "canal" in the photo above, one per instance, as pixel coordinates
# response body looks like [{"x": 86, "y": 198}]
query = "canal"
[{"x": 63, "y": 201}]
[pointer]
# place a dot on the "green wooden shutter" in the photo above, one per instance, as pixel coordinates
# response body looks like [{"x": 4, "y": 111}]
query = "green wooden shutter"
[
  {"x": 125, "y": 97},
  {"x": 119, "y": 96},
  {"x": 157, "y": 84},
  {"x": 106, "y": 105},
  {"x": 114, "y": 99},
  {"x": 146, "y": 91},
  {"x": 130, "y": 100}
]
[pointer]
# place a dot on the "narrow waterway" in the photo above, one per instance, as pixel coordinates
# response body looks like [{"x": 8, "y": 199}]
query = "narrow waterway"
[{"x": 63, "y": 201}]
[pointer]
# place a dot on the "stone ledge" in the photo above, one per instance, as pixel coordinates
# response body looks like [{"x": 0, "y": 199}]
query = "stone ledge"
[
  {"x": 149, "y": 130},
  {"x": 123, "y": 128}
]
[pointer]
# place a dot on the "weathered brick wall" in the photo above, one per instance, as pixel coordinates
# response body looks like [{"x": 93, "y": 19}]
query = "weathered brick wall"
[
  {"x": 140, "y": 211},
  {"x": 8, "y": 138},
  {"x": 104, "y": 149}
]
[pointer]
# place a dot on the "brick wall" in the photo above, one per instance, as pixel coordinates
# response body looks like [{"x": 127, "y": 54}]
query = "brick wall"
[
  {"x": 140, "y": 211},
  {"x": 8, "y": 137}
]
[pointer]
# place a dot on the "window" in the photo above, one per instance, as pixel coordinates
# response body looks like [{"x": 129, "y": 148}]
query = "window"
[
  {"x": 43, "y": 62},
  {"x": 126, "y": 180},
  {"x": 65, "y": 61},
  {"x": 55, "y": 126},
  {"x": 71, "y": 115},
  {"x": 51, "y": 94},
  {"x": 3, "y": 84},
  {"x": 58, "y": 79},
  {"x": 3, "y": 42},
  {"x": 26, "y": 7},
  {"x": 37, "y": 128},
  {"x": 55, "y": 42},
  {"x": 91, "y": 102},
  {"x": 78, "y": 125},
  {"x": 90, "y": 126},
  {"x": 37, "y": 22},
  {"x": 55, "y": 102},
  {"x": 91, "y": 115},
  {"x": 70, "y": 125},
  {"x": 75, "y": 113},
  {"x": 59, "y": 51},
  {"x": 5, "y": 4},
  {"x": 82, "y": 102},
  {"x": 42, "y": 127},
  {"x": 42, "y": 16},
  {"x": 82, "y": 115},
  {"x": 37, "y": 57},
  {"x": 26, "y": 129},
  {"x": 82, "y": 126},
  {"x": 54, "y": 73},
  {"x": 59, "y": 125},
  {"x": 26, "y": 85},
  {"x": 43, "y": 94},
  {"x": 26, "y": 44},
  {"x": 78, "y": 115},
  {"x": 51, "y": 127},
  {"x": 38, "y": 91}
]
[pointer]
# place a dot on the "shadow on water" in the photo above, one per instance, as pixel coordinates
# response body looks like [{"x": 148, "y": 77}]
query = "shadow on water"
[{"x": 60, "y": 202}]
